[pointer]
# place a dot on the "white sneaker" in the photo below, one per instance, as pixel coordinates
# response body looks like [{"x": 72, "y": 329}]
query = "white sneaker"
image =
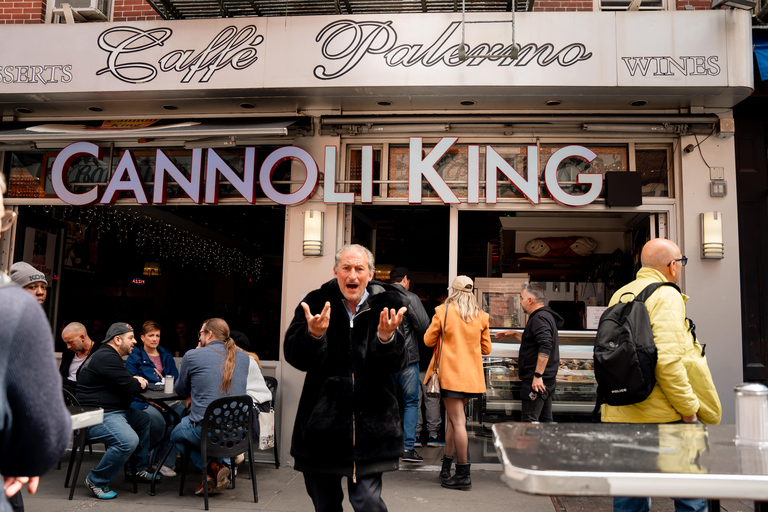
[{"x": 166, "y": 471}]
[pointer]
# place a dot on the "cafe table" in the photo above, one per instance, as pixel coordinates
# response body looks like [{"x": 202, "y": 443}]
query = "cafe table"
[
  {"x": 156, "y": 395},
  {"x": 83, "y": 417},
  {"x": 640, "y": 460}
]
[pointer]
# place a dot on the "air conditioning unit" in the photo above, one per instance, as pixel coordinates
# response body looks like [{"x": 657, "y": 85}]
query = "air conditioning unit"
[{"x": 91, "y": 10}]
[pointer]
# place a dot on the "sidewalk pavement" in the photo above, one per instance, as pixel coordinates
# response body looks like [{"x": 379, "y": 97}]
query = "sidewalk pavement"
[{"x": 414, "y": 488}]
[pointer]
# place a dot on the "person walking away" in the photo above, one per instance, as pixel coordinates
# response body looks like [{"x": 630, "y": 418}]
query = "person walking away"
[
  {"x": 213, "y": 370},
  {"x": 344, "y": 335},
  {"x": 104, "y": 382},
  {"x": 465, "y": 339},
  {"x": 539, "y": 356},
  {"x": 406, "y": 381},
  {"x": 154, "y": 363},
  {"x": 684, "y": 391}
]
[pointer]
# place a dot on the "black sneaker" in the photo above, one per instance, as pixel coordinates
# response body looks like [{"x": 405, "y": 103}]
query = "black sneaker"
[{"x": 411, "y": 456}]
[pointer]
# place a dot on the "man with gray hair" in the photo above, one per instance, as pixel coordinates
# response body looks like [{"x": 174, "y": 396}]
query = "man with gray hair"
[
  {"x": 344, "y": 336},
  {"x": 539, "y": 356},
  {"x": 79, "y": 344}
]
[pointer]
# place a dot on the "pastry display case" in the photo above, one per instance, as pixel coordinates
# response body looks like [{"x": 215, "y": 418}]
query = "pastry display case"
[{"x": 576, "y": 386}]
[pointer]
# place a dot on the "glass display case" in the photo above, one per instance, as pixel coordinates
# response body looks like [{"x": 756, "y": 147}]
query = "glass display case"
[{"x": 576, "y": 386}]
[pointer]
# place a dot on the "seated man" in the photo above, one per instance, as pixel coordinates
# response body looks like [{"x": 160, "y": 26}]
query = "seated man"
[
  {"x": 214, "y": 370},
  {"x": 79, "y": 345},
  {"x": 105, "y": 382}
]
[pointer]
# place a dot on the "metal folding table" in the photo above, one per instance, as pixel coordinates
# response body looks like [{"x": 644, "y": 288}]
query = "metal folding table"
[{"x": 642, "y": 460}]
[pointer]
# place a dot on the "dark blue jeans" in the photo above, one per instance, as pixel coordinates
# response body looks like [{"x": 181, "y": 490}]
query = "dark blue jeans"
[
  {"x": 124, "y": 433},
  {"x": 407, "y": 381}
]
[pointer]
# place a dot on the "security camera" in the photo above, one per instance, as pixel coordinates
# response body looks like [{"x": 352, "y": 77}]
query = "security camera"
[{"x": 689, "y": 148}]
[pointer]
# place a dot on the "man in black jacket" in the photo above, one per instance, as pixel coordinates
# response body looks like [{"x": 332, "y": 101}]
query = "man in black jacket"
[
  {"x": 105, "y": 382},
  {"x": 79, "y": 345},
  {"x": 539, "y": 356},
  {"x": 406, "y": 381},
  {"x": 344, "y": 335}
]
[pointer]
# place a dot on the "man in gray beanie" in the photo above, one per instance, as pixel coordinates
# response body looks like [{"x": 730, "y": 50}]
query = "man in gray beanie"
[{"x": 31, "y": 279}]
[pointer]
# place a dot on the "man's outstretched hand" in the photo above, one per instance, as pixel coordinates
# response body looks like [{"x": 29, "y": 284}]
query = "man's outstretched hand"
[
  {"x": 389, "y": 320},
  {"x": 318, "y": 324}
]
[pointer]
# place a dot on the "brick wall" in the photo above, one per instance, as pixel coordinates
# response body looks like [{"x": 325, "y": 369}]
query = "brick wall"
[
  {"x": 698, "y": 5},
  {"x": 134, "y": 10},
  {"x": 22, "y": 11},
  {"x": 562, "y": 5}
]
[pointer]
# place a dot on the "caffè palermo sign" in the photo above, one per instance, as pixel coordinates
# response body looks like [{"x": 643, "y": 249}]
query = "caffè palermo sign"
[
  {"x": 602, "y": 49},
  {"x": 201, "y": 182}
]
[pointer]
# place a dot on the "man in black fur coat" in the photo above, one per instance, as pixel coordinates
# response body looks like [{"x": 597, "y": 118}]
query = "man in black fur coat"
[{"x": 344, "y": 335}]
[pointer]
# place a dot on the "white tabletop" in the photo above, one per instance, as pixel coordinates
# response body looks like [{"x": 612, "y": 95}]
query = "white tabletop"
[
  {"x": 85, "y": 416},
  {"x": 610, "y": 459}
]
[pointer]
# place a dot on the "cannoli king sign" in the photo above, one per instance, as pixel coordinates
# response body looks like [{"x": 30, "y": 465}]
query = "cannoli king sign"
[{"x": 201, "y": 182}]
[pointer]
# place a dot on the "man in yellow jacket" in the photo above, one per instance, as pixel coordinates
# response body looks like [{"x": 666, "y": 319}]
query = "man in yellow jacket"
[{"x": 684, "y": 391}]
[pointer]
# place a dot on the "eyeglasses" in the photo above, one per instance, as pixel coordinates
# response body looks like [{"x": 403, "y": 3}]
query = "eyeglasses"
[
  {"x": 7, "y": 220},
  {"x": 200, "y": 333},
  {"x": 683, "y": 261}
]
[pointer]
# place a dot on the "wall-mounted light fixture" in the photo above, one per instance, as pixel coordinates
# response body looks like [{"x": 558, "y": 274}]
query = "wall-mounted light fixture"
[
  {"x": 712, "y": 235},
  {"x": 313, "y": 233}
]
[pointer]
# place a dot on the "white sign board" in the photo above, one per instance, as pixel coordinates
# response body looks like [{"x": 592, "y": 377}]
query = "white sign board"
[
  {"x": 593, "y": 315},
  {"x": 587, "y": 49}
]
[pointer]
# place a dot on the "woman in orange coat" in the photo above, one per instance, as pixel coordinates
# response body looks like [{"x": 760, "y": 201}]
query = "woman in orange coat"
[{"x": 466, "y": 337}]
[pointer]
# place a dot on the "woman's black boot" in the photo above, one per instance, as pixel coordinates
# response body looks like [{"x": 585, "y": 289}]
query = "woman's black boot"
[
  {"x": 460, "y": 480},
  {"x": 445, "y": 471}
]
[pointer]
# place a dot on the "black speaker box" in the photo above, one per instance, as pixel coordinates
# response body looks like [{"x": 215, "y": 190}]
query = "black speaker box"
[{"x": 623, "y": 189}]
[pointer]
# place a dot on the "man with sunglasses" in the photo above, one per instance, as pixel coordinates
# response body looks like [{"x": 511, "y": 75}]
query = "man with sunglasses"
[{"x": 684, "y": 390}]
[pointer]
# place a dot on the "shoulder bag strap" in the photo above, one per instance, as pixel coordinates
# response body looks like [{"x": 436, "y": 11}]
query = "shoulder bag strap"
[{"x": 440, "y": 343}]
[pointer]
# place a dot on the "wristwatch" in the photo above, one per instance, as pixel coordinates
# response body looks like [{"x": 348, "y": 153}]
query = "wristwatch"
[{"x": 537, "y": 374}]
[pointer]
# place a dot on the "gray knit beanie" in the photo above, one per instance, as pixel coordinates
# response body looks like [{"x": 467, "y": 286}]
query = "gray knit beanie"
[{"x": 23, "y": 274}]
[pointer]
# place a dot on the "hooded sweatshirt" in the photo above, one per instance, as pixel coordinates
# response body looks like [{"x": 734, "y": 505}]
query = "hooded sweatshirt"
[{"x": 540, "y": 337}]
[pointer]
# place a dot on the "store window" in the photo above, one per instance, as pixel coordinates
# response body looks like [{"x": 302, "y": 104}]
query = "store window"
[{"x": 175, "y": 264}]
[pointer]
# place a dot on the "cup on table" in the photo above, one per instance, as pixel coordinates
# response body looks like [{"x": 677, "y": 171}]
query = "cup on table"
[
  {"x": 168, "y": 384},
  {"x": 752, "y": 415}
]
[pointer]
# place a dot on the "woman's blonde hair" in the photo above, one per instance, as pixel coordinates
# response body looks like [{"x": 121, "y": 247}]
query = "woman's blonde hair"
[
  {"x": 465, "y": 304},
  {"x": 220, "y": 330}
]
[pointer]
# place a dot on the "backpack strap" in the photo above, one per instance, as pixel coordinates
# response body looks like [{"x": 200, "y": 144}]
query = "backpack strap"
[{"x": 648, "y": 290}]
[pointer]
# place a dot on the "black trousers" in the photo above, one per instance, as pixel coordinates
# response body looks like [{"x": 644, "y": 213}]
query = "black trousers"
[
  {"x": 16, "y": 501},
  {"x": 536, "y": 406},
  {"x": 327, "y": 494}
]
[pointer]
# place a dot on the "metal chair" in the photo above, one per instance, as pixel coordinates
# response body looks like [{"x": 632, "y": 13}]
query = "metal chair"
[
  {"x": 79, "y": 442},
  {"x": 226, "y": 433}
]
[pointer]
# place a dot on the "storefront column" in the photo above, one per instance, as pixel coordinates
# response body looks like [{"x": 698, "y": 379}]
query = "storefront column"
[
  {"x": 301, "y": 275},
  {"x": 713, "y": 284}
]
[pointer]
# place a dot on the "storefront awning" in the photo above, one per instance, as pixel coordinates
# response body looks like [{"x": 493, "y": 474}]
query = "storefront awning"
[
  {"x": 761, "y": 53},
  {"x": 189, "y": 133}
]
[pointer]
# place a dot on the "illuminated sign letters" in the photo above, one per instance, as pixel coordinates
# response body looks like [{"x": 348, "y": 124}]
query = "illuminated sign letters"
[{"x": 126, "y": 177}]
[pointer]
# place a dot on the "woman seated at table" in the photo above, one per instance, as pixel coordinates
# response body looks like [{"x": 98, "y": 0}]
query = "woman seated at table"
[{"x": 153, "y": 362}]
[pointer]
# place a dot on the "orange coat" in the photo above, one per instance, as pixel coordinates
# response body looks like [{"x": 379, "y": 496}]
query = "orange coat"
[{"x": 464, "y": 344}]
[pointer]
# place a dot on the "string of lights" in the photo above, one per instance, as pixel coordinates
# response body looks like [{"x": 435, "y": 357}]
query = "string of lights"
[{"x": 160, "y": 240}]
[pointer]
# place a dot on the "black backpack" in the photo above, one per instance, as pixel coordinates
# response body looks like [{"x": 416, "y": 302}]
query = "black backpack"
[{"x": 625, "y": 354}]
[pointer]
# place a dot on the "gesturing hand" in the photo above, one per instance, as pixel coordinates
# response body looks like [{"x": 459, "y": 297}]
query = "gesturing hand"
[
  {"x": 389, "y": 321},
  {"x": 317, "y": 324},
  {"x": 13, "y": 484}
]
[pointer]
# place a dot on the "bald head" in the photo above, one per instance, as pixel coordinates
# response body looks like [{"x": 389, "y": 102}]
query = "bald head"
[
  {"x": 658, "y": 254},
  {"x": 76, "y": 338}
]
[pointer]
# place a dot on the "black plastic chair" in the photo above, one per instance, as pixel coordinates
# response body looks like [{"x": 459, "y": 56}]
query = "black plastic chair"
[
  {"x": 226, "y": 433},
  {"x": 79, "y": 442}
]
